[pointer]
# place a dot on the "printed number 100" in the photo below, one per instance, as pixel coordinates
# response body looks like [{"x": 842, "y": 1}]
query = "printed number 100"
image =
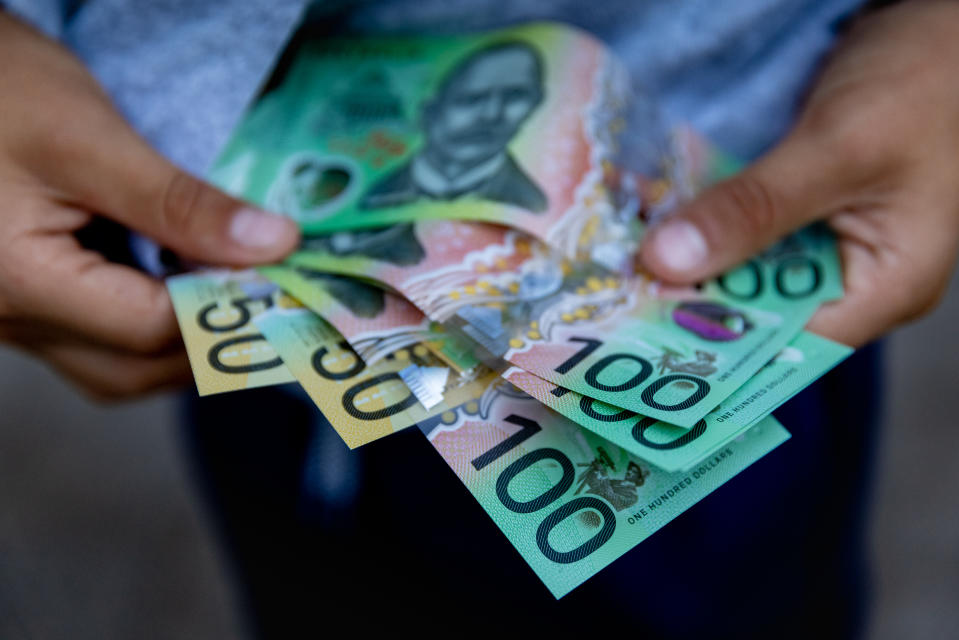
[{"x": 529, "y": 428}]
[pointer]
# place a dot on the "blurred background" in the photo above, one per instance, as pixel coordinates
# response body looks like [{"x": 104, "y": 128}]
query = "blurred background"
[{"x": 103, "y": 536}]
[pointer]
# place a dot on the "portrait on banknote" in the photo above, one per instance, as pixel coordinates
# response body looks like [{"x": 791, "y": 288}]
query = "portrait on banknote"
[{"x": 467, "y": 126}]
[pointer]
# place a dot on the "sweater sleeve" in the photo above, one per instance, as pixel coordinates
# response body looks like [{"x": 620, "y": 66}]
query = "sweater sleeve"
[{"x": 49, "y": 16}]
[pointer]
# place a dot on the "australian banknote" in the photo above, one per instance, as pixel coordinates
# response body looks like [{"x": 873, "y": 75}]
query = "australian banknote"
[
  {"x": 438, "y": 265},
  {"x": 672, "y": 356},
  {"x": 802, "y": 268},
  {"x": 517, "y": 126},
  {"x": 664, "y": 372},
  {"x": 363, "y": 401},
  {"x": 673, "y": 448},
  {"x": 570, "y": 501},
  {"x": 795, "y": 275},
  {"x": 214, "y": 310},
  {"x": 374, "y": 321},
  {"x": 680, "y": 350}
]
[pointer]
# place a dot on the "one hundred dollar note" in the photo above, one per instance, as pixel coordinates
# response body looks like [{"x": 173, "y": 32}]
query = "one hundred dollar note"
[
  {"x": 671, "y": 357},
  {"x": 802, "y": 268},
  {"x": 667, "y": 353},
  {"x": 569, "y": 501},
  {"x": 363, "y": 402},
  {"x": 214, "y": 310},
  {"x": 673, "y": 360},
  {"x": 517, "y": 126},
  {"x": 660, "y": 374},
  {"x": 673, "y": 448}
]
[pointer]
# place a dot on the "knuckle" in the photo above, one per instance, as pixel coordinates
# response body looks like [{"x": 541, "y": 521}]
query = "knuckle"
[
  {"x": 137, "y": 384},
  {"x": 856, "y": 144},
  {"x": 927, "y": 291},
  {"x": 7, "y": 311},
  {"x": 14, "y": 283},
  {"x": 119, "y": 388},
  {"x": 750, "y": 205},
  {"x": 824, "y": 115},
  {"x": 148, "y": 342},
  {"x": 850, "y": 136},
  {"x": 918, "y": 287},
  {"x": 927, "y": 305},
  {"x": 151, "y": 338},
  {"x": 180, "y": 200},
  {"x": 97, "y": 389},
  {"x": 154, "y": 329}
]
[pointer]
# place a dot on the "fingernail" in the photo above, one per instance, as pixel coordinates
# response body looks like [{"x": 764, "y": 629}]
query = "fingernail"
[
  {"x": 257, "y": 229},
  {"x": 679, "y": 246}
]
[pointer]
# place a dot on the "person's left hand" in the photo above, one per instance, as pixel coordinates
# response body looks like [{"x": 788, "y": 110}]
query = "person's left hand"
[
  {"x": 67, "y": 157},
  {"x": 875, "y": 153}
]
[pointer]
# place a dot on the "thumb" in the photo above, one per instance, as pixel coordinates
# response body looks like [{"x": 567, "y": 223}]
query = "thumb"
[
  {"x": 202, "y": 223},
  {"x": 792, "y": 185},
  {"x": 196, "y": 220},
  {"x": 104, "y": 166}
]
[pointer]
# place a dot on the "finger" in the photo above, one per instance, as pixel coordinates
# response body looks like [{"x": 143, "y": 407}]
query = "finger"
[
  {"x": 860, "y": 315},
  {"x": 60, "y": 284},
  {"x": 108, "y": 375},
  {"x": 887, "y": 284},
  {"x": 101, "y": 164},
  {"x": 122, "y": 178},
  {"x": 795, "y": 183},
  {"x": 836, "y": 321}
]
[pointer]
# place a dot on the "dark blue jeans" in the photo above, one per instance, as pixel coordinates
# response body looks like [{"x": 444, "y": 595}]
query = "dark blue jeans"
[{"x": 386, "y": 538}]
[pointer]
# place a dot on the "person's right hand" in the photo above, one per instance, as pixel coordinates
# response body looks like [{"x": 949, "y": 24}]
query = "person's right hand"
[
  {"x": 66, "y": 156},
  {"x": 875, "y": 153}
]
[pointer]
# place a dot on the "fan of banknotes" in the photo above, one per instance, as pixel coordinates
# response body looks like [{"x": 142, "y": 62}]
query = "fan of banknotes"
[{"x": 472, "y": 207}]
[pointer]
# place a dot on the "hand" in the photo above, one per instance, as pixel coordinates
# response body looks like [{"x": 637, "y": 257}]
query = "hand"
[
  {"x": 875, "y": 152},
  {"x": 66, "y": 155}
]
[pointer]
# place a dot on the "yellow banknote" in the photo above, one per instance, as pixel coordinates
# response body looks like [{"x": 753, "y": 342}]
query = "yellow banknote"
[
  {"x": 215, "y": 310},
  {"x": 364, "y": 402}
]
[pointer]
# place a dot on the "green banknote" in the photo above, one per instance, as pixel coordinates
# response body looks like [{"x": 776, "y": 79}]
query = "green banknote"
[
  {"x": 363, "y": 402},
  {"x": 438, "y": 265},
  {"x": 667, "y": 353},
  {"x": 674, "y": 361},
  {"x": 673, "y": 448},
  {"x": 794, "y": 276},
  {"x": 569, "y": 501},
  {"x": 802, "y": 268},
  {"x": 672, "y": 356},
  {"x": 516, "y": 126},
  {"x": 214, "y": 310}
]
